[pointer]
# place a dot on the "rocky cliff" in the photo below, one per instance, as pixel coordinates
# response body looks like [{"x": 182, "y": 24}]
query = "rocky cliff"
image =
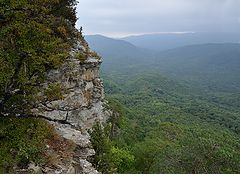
[{"x": 80, "y": 106}]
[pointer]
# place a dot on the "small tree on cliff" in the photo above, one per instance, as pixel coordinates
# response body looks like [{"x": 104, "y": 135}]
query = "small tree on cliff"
[{"x": 35, "y": 36}]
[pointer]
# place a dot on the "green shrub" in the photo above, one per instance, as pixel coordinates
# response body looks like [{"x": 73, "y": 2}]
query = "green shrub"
[
  {"x": 54, "y": 92},
  {"x": 23, "y": 140},
  {"x": 122, "y": 159},
  {"x": 81, "y": 56}
]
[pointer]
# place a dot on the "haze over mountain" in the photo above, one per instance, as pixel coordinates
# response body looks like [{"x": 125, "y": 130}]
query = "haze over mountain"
[
  {"x": 165, "y": 41},
  {"x": 113, "y": 50},
  {"x": 215, "y": 65}
]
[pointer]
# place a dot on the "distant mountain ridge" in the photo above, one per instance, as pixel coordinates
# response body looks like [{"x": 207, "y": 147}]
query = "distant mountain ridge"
[
  {"x": 118, "y": 53},
  {"x": 159, "y": 42},
  {"x": 215, "y": 65}
]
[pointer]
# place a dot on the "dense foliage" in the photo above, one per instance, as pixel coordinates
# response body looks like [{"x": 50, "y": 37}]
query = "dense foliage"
[
  {"x": 35, "y": 36},
  {"x": 169, "y": 128},
  {"x": 109, "y": 157},
  {"x": 180, "y": 107},
  {"x": 23, "y": 141}
]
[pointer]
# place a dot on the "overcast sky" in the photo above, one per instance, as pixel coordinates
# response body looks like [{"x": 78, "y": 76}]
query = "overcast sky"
[{"x": 125, "y": 17}]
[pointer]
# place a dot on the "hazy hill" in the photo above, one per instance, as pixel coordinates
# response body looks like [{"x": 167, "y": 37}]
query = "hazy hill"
[
  {"x": 208, "y": 65},
  {"x": 118, "y": 53},
  {"x": 215, "y": 64},
  {"x": 168, "y": 41},
  {"x": 101, "y": 43}
]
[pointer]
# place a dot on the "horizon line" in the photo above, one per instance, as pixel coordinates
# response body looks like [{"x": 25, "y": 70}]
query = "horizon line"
[{"x": 123, "y": 35}]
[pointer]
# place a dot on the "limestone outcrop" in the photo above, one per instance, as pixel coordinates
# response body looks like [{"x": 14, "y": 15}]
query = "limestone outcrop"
[
  {"x": 82, "y": 91},
  {"x": 79, "y": 108}
]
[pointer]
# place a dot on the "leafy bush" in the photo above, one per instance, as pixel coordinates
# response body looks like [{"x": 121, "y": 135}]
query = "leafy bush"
[
  {"x": 54, "y": 92},
  {"x": 122, "y": 159},
  {"x": 81, "y": 56}
]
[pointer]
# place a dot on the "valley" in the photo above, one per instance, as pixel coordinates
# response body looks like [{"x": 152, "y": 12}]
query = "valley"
[{"x": 176, "y": 106}]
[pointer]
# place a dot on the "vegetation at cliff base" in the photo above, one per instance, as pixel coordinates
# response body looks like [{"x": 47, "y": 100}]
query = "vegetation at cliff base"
[
  {"x": 30, "y": 140},
  {"x": 23, "y": 141},
  {"x": 109, "y": 158}
]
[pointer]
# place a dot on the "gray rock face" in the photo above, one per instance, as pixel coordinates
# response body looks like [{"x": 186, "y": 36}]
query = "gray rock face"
[
  {"x": 83, "y": 94},
  {"x": 78, "y": 163},
  {"x": 81, "y": 106}
]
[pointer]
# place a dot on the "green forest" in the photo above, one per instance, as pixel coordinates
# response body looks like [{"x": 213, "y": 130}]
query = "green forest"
[
  {"x": 169, "y": 128},
  {"x": 179, "y": 109}
]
